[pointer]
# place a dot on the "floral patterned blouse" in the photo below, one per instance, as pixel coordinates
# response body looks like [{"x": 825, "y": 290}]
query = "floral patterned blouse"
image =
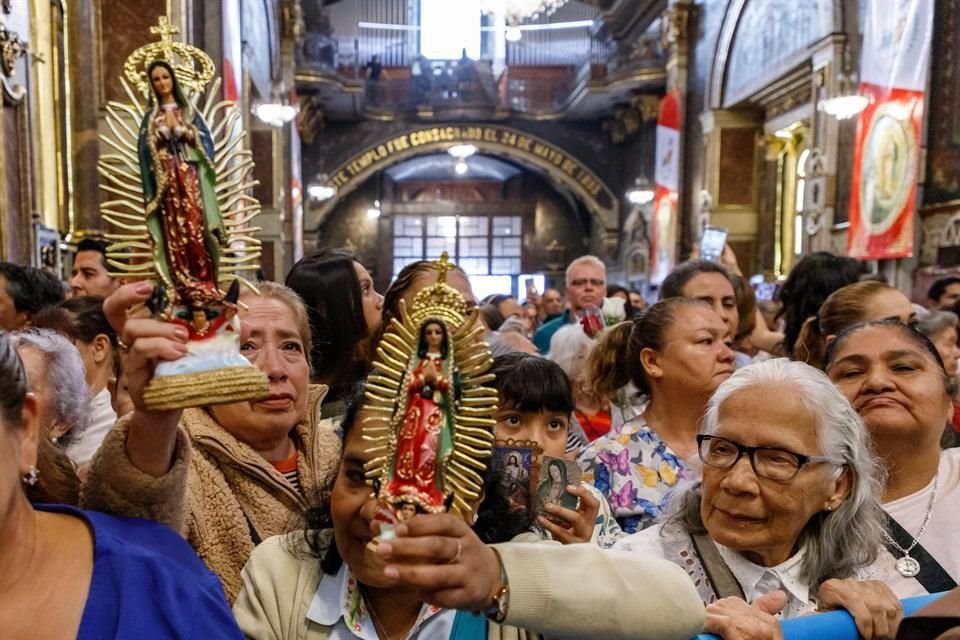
[{"x": 636, "y": 471}]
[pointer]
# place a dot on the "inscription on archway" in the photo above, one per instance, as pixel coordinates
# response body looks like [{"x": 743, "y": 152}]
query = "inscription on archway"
[{"x": 497, "y": 140}]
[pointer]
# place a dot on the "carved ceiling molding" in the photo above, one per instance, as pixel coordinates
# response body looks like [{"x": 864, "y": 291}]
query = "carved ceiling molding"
[
  {"x": 627, "y": 122},
  {"x": 12, "y": 48},
  {"x": 310, "y": 119},
  {"x": 796, "y": 96},
  {"x": 673, "y": 29}
]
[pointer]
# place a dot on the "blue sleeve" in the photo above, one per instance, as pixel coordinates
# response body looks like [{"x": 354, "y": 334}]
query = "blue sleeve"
[
  {"x": 212, "y": 616},
  {"x": 541, "y": 339}
]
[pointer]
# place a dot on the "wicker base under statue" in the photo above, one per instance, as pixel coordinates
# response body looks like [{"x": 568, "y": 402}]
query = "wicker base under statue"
[{"x": 216, "y": 386}]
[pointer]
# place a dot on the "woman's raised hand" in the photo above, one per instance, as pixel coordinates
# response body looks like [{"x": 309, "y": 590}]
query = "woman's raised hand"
[
  {"x": 577, "y": 525},
  {"x": 875, "y": 608},
  {"x": 441, "y": 557},
  {"x": 144, "y": 342}
]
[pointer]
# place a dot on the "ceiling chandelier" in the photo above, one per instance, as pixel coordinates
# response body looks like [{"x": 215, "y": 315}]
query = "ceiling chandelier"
[{"x": 516, "y": 11}]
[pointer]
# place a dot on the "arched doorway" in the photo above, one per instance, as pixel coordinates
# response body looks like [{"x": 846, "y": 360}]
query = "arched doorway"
[
  {"x": 503, "y": 223},
  {"x": 514, "y": 207}
]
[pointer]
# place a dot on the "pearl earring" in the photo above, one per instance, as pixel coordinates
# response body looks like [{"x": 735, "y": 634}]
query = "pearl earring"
[{"x": 30, "y": 478}]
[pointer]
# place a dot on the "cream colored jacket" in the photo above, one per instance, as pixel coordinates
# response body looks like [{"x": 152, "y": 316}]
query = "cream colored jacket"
[{"x": 574, "y": 591}]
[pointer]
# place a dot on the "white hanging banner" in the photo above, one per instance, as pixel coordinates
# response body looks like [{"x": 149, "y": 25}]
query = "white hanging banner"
[{"x": 663, "y": 244}]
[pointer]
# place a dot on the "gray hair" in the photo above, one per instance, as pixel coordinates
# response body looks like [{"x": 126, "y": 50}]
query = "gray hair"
[
  {"x": 569, "y": 348},
  {"x": 588, "y": 259},
  {"x": 63, "y": 371},
  {"x": 936, "y": 322},
  {"x": 835, "y": 543}
]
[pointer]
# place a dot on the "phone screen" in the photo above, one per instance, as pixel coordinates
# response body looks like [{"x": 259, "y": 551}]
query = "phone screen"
[
  {"x": 711, "y": 244},
  {"x": 766, "y": 291},
  {"x": 531, "y": 287}
]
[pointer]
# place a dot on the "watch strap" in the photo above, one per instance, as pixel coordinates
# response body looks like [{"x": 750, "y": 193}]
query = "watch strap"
[{"x": 497, "y": 611}]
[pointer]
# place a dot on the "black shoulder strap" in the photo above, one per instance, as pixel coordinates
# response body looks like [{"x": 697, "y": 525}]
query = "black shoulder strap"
[
  {"x": 724, "y": 583},
  {"x": 932, "y": 576},
  {"x": 254, "y": 536}
]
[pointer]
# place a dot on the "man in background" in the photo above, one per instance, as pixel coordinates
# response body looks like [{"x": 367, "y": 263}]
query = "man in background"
[
  {"x": 586, "y": 286},
  {"x": 943, "y": 293},
  {"x": 23, "y": 292},
  {"x": 90, "y": 276}
]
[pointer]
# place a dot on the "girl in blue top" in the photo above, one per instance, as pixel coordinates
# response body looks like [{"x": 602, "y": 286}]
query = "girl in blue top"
[{"x": 66, "y": 573}]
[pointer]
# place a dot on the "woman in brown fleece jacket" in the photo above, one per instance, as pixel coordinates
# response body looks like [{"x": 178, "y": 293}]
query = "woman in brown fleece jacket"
[{"x": 226, "y": 476}]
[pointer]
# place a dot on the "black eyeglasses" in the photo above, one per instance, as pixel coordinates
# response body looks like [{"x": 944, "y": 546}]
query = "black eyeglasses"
[{"x": 767, "y": 462}]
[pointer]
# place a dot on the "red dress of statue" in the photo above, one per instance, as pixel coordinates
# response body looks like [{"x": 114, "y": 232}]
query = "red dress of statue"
[{"x": 425, "y": 437}]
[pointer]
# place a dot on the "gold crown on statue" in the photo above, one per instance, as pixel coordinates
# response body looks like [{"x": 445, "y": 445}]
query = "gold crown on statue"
[
  {"x": 193, "y": 67},
  {"x": 439, "y": 300}
]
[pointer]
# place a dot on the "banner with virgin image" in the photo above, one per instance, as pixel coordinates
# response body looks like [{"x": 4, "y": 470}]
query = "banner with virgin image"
[
  {"x": 663, "y": 242},
  {"x": 893, "y": 76}
]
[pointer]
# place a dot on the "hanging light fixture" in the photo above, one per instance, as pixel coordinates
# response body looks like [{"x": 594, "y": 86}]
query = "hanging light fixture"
[
  {"x": 849, "y": 102},
  {"x": 321, "y": 190},
  {"x": 277, "y": 112},
  {"x": 640, "y": 193},
  {"x": 516, "y": 11},
  {"x": 462, "y": 151}
]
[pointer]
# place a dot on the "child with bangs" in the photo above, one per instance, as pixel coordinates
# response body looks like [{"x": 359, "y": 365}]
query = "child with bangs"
[{"x": 536, "y": 402}]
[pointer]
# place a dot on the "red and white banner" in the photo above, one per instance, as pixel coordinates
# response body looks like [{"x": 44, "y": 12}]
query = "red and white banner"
[
  {"x": 232, "y": 51},
  {"x": 886, "y": 163},
  {"x": 663, "y": 243}
]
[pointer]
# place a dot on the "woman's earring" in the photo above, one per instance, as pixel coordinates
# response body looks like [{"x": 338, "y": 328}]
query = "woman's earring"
[{"x": 30, "y": 478}]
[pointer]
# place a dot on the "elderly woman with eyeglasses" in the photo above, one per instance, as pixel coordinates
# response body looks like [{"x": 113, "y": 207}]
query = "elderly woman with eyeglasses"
[{"x": 787, "y": 503}]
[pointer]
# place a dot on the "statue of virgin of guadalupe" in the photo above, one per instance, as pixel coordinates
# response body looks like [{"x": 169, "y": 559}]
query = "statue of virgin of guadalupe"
[
  {"x": 175, "y": 150},
  {"x": 181, "y": 218},
  {"x": 431, "y": 428},
  {"x": 426, "y": 437}
]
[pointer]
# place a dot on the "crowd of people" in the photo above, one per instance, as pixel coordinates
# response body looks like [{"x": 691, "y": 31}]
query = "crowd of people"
[{"x": 741, "y": 463}]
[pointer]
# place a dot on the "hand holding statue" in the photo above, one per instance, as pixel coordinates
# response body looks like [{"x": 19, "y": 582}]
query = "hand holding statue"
[{"x": 440, "y": 556}]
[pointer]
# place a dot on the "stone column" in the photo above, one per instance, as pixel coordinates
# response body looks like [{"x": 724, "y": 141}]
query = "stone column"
[
  {"x": 676, "y": 44},
  {"x": 84, "y": 104}
]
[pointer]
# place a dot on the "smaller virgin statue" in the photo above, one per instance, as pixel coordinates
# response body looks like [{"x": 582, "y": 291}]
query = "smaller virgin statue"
[
  {"x": 425, "y": 439},
  {"x": 431, "y": 428},
  {"x": 179, "y": 184}
]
